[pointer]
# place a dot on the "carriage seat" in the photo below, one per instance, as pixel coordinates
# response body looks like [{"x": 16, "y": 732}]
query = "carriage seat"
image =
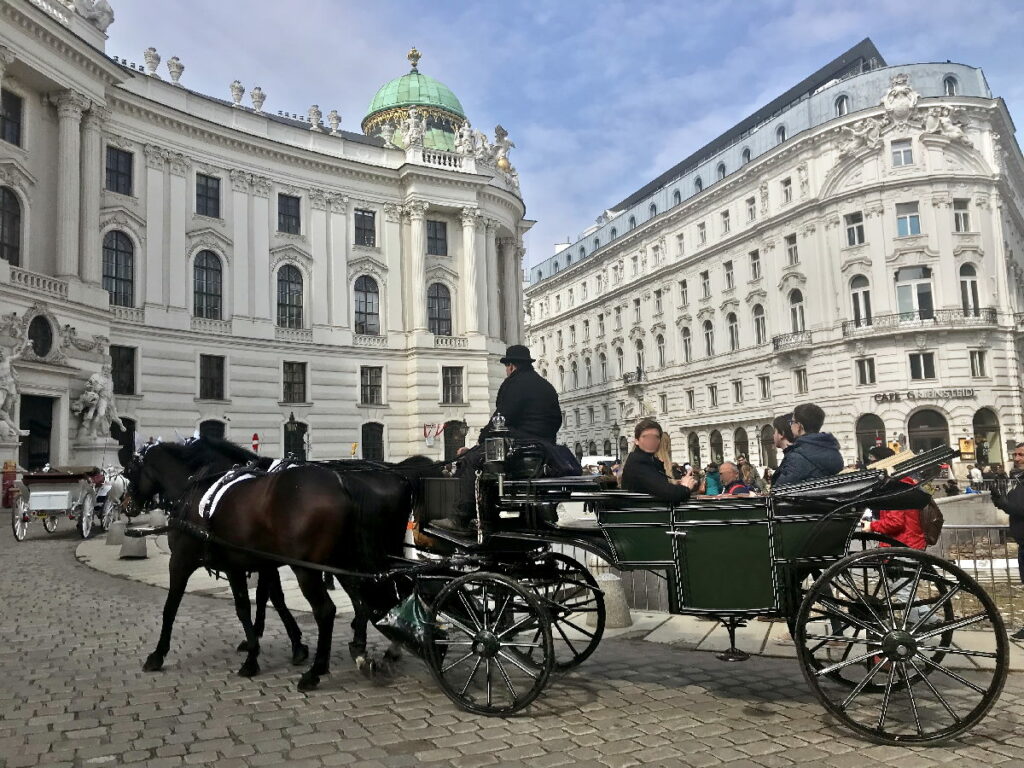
[{"x": 61, "y": 475}]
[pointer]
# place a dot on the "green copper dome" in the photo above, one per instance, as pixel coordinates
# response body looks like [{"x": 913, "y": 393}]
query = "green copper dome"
[{"x": 415, "y": 90}]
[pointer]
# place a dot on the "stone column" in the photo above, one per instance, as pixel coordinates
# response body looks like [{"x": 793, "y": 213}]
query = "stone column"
[
  {"x": 417, "y": 290},
  {"x": 392, "y": 284},
  {"x": 177, "y": 290},
  {"x": 318, "y": 239},
  {"x": 70, "y": 106},
  {"x": 471, "y": 301},
  {"x": 337, "y": 267},
  {"x": 240, "y": 299},
  {"x": 260, "y": 280},
  {"x": 510, "y": 292},
  {"x": 493, "y": 281},
  {"x": 91, "y": 266}
]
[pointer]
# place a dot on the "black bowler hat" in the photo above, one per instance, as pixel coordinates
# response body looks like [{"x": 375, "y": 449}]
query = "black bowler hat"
[{"x": 517, "y": 353}]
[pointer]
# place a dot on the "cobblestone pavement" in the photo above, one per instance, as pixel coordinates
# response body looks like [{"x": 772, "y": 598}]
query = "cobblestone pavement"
[{"x": 73, "y": 693}]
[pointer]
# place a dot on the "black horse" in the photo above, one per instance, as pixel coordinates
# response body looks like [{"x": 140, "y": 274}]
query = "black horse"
[
  {"x": 178, "y": 465},
  {"x": 347, "y": 515}
]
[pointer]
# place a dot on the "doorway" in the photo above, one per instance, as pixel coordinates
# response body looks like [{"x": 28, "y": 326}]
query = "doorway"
[{"x": 37, "y": 418}]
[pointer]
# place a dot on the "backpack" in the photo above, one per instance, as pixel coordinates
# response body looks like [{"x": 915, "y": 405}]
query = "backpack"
[{"x": 931, "y": 522}]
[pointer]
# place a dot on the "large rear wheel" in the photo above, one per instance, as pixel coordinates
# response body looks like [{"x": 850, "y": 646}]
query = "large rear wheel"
[
  {"x": 86, "y": 514},
  {"x": 19, "y": 518}
]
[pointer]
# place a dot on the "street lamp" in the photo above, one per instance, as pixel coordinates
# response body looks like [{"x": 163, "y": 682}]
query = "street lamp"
[
  {"x": 291, "y": 429},
  {"x": 615, "y": 438}
]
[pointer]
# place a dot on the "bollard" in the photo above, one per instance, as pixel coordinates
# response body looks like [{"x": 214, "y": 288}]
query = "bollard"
[
  {"x": 157, "y": 518},
  {"x": 134, "y": 548},
  {"x": 115, "y": 533},
  {"x": 616, "y": 610}
]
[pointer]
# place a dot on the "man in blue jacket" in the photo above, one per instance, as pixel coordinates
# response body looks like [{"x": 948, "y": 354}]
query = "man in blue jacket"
[{"x": 813, "y": 455}]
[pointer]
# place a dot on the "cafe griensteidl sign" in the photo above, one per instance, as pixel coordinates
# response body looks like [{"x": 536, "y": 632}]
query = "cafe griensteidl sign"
[{"x": 916, "y": 395}]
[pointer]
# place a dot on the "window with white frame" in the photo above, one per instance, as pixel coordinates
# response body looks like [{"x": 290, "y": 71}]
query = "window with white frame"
[
  {"x": 796, "y": 310},
  {"x": 680, "y": 245},
  {"x": 590, "y": 414},
  {"x": 583, "y": 291},
  {"x": 558, "y": 340},
  {"x": 641, "y": 360},
  {"x": 760, "y": 325},
  {"x": 800, "y": 381},
  {"x": 725, "y": 222},
  {"x": 605, "y": 411},
  {"x": 702, "y": 234},
  {"x": 660, "y": 342},
  {"x": 589, "y": 371},
  {"x": 687, "y": 345},
  {"x": 854, "y": 228},
  {"x": 755, "y": 265},
  {"x": 621, "y": 359},
  {"x": 600, "y": 324},
  {"x": 860, "y": 293},
  {"x": 636, "y": 310},
  {"x": 691, "y": 400},
  {"x": 902, "y": 153},
  {"x": 603, "y": 362},
  {"x": 865, "y": 371},
  {"x": 618, "y": 318},
  {"x": 733, "y": 324},
  {"x": 451, "y": 385},
  {"x": 922, "y": 366},
  {"x": 586, "y": 330},
  {"x": 737, "y": 391},
  {"x": 655, "y": 255},
  {"x": 663, "y": 402},
  {"x": 751, "y": 208},
  {"x": 571, "y": 298},
  {"x": 842, "y": 106},
  {"x": 371, "y": 385},
  {"x": 705, "y": 285},
  {"x": 657, "y": 302},
  {"x": 914, "y": 299},
  {"x": 712, "y": 395},
  {"x": 294, "y": 375},
  {"x": 709, "y": 338},
  {"x": 792, "y": 254},
  {"x": 574, "y": 376},
  {"x": 978, "y": 370},
  {"x": 950, "y": 87},
  {"x": 730, "y": 278},
  {"x": 764, "y": 387},
  {"x": 908, "y": 221},
  {"x": 969, "y": 291},
  {"x": 787, "y": 190},
  {"x": 366, "y": 229},
  {"x": 572, "y": 335},
  {"x": 684, "y": 294},
  {"x": 961, "y": 215},
  {"x": 635, "y": 265}
]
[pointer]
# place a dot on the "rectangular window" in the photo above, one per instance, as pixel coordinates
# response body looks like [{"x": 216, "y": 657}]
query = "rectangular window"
[
  {"x": 590, "y": 415},
  {"x": 751, "y": 208},
  {"x": 211, "y": 377},
  {"x": 737, "y": 391},
  {"x": 712, "y": 395},
  {"x": 635, "y": 264},
  {"x": 600, "y": 325},
  {"x": 908, "y": 222},
  {"x": 656, "y": 255},
  {"x": 961, "y": 216},
  {"x": 437, "y": 238},
  {"x": 702, "y": 234},
  {"x": 755, "y": 265},
  {"x": 854, "y": 228},
  {"x": 572, "y": 334},
  {"x": 800, "y": 380},
  {"x": 119, "y": 171},
  {"x": 208, "y": 196},
  {"x": 680, "y": 245},
  {"x": 764, "y": 387},
  {"x": 705, "y": 285},
  {"x": 730, "y": 279},
  {"x": 865, "y": 371},
  {"x": 371, "y": 385},
  {"x": 451, "y": 385},
  {"x": 11, "y": 108},
  {"x": 558, "y": 303},
  {"x": 572, "y": 298},
  {"x": 583, "y": 291},
  {"x": 684, "y": 294},
  {"x": 618, "y": 318},
  {"x": 558, "y": 337},
  {"x": 902, "y": 153},
  {"x": 122, "y": 369},
  {"x": 691, "y": 400},
  {"x": 366, "y": 228},
  {"x": 657, "y": 302},
  {"x": 636, "y": 310},
  {"x": 978, "y": 369},
  {"x": 922, "y": 365},
  {"x": 586, "y": 330},
  {"x": 787, "y": 191},
  {"x": 792, "y": 255},
  {"x": 294, "y": 382},
  {"x": 605, "y": 411},
  {"x": 725, "y": 222},
  {"x": 663, "y": 401},
  {"x": 288, "y": 218}
]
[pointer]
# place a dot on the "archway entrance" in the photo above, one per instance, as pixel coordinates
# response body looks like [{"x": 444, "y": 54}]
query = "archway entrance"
[
  {"x": 717, "y": 454},
  {"x": 870, "y": 432},
  {"x": 36, "y": 416},
  {"x": 693, "y": 446},
  {"x": 740, "y": 444},
  {"x": 211, "y": 428},
  {"x": 927, "y": 429},
  {"x": 769, "y": 458},
  {"x": 988, "y": 441}
]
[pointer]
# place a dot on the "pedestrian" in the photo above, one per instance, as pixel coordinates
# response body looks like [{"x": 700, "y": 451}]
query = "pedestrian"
[
  {"x": 748, "y": 474},
  {"x": 814, "y": 454},
  {"x": 974, "y": 477},
  {"x": 950, "y": 487},
  {"x": 767, "y": 478},
  {"x": 732, "y": 482},
  {"x": 1013, "y": 505},
  {"x": 904, "y": 525},
  {"x": 712, "y": 481}
]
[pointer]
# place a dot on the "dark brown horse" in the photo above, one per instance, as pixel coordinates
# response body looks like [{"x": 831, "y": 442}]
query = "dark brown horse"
[{"x": 348, "y": 515}]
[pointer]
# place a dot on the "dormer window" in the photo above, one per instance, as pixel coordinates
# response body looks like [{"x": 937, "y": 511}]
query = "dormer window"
[
  {"x": 950, "y": 86},
  {"x": 780, "y": 134},
  {"x": 842, "y": 106}
]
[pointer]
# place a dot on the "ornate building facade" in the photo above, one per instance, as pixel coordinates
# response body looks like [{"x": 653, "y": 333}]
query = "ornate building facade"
[
  {"x": 255, "y": 275},
  {"x": 856, "y": 243}
]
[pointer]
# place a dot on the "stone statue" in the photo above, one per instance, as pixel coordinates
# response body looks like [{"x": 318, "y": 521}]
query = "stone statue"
[
  {"x": 152, "y": 59},
  {"x": 8, "y": 397},
  {"x": 258, "y": 98},
  {"x": 863, "y": 133},
  {"x": 316, "y": 117},
  {"x": 95, "y": 407},
  {"x": 482, "y": 147},
  {"x": 334, "y": 119},
  {"x": 900, "y": 100},
  {"x": 414, "y": 128},
  {"x": 946, "y": 122},
  {"x": 175, "y": 68},
  {"x": 502, "y": 146},
  {"x": 237, "y": 91},
  {"x": 464, "y": 140},
  {"x": 96, "y": 12}
]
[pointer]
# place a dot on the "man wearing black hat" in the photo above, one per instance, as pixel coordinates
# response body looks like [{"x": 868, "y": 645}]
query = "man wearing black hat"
[{"x": 530, "y": 407}]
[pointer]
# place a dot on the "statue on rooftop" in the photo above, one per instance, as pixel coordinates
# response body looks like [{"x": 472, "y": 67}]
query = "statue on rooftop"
[{"x": 96, "y": 12}]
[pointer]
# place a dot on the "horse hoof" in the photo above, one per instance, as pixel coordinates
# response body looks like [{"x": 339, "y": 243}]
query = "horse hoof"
[
  {"x": 242, "y": 646},
  {"x": 154, "y": 663},
  {"x": 299, "y": 654},
  {"x": 391, "y": 657},
  {"x": 308, "y": 682},
  {"x": 249, "y": 669}
]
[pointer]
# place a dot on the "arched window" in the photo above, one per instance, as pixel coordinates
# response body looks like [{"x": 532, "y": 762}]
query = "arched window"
[
  {"x": 554, "y": 267},
  {"x": 607, "y": 447},
  {"x": 950, "y": 86},
  {"x": 10, "y": 227},
  {"x": 698, "y": 185},
  {"x": 721, "y": 171},
  {"x": 575, "y": 370},
  {"x": 860, "y": 293},
  {"x": 119, "y": 268},
  {"x": 715, "y": 443},
  {"x": 652, "y": 211},
  {"x": 614, "y": 233},
  {"x": 693, "y": 447},
  {"x": 842, "y": 106},
  {"x": 621, "y": 359},
  {"x": 568, "y": 259},
  {"x": 289, "y": 297},
  {"x": 796, "y": 310},
  {"x": 677, "y": 197},
  {"x": 780, "y": 134},
  {"x": 439, "y": 310},
  {"x": 597, "y": 243},
  {"x": 592, "y": 448},
  {"x": 734, "y": 331},
  {"x": 687, "y": 346},
  {"x": 988, "y": 441},
  {"x": 206, "y": 286},
  {"x": 740, "y": 443},
  {"x": 604, "y": 367},
  {"x": 660, "y": 342},
  {"x": 640, "y": 362},
  {"x": 632, "y": 222},
  {"x": 709, "y": 338},
  {"x": 927, "y": 429},
  {"x": 367, "y": 304},
  {"x": 373, "y": 441},
  {"x": 769, "y": 453},
  {"x": 746, "y": 155},
  {"x": 870, "y": 432},
  {"x": 590, "y": 371},
  {"x": 561, "y": 378},
  {"x": 540, "y": 274},
  {"x": 969, "y": 290},
  {"x": 583, "y": 251},
  {"x": 760, "y": 325}
]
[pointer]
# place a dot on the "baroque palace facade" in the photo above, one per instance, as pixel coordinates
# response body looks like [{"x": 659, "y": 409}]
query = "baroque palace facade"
[
  {"x": 856, "y": 243},
  {"x": 241, "y": 273}
]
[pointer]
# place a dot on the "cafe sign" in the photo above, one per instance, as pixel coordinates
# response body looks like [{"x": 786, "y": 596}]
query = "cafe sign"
[{"x": 914, "y": 395}]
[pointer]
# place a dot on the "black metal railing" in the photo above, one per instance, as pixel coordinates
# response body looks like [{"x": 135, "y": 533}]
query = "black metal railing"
[
  {"x": 922, "y": 318},
  {"x": 633, "y": 377},
  {"x": 791, "y": 340}
]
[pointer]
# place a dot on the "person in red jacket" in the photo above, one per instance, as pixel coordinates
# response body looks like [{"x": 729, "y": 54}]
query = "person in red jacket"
[{"x": 904, "y": 525}]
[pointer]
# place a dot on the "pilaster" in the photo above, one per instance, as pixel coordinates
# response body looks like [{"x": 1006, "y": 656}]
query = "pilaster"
[
  {"x": 417, "y": 289},
  {"x": 70, "y": 106},
  {"x": 493, "y": 281},
  {"x": 156, "y": 166},
  {"x": 471, "y": 302},
  {"x": 321, "y": 258},
  {"x": 337, "y": 266},
  {"x": 91, "y": 266}
]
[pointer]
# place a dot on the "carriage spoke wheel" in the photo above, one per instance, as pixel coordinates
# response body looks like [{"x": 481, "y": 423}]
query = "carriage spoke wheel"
[
  {"x": 50, "y": 523},
  {"x": 575, "y": 603},
  {"x": 19, "y": 518},
  {"x": 86, "y": 514},
  {"x": 109, "y": 514},
  {"x": 489, "y": 644},
  {"x": 898, "y": 645}
]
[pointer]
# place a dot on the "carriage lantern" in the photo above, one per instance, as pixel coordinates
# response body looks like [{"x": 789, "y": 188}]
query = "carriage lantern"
[{"x": 496, "y": 446}]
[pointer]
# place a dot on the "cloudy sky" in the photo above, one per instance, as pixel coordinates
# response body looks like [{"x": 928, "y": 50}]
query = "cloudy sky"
[{"x": 599, "y": 96}]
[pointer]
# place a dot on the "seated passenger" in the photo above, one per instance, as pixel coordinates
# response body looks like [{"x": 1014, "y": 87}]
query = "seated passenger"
[
  {"x": 645, "y": 473},
  {"x": 814, "y": 454},
  {"x": 732, "y": 483}
]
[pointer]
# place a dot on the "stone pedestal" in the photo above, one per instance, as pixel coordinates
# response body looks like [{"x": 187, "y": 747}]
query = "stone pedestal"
[
  {"x": 617, "y": 613},
  {"x": 95, "y": 451},
  {"x": 134, "y": 548},
  {"x": 115, "y": 533},
  {"x": 8, "y": 452}
]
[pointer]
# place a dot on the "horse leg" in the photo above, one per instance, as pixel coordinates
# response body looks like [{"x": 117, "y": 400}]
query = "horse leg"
[
  {"x": 357, "y": 646},
  {"x": 182, "y": 565},
  {"x": 260, "y": 622},
  {"x": 240, "y": 590},
  {"x": 312, "y": 585},
  {"x": 300, "y": 651}
]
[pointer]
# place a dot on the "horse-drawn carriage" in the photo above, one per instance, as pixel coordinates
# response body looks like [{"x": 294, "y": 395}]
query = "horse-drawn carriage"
[{"x": 51, "y": 494}]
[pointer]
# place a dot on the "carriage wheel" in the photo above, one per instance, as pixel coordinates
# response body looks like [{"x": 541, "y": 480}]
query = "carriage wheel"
[
  {"x": 19, "y": 518},
  {"x": 488, "y": 644},
  {"x": 50, "y": 523},
  {"x": 86, "y": 514},
  {"x": 888, "y": 640},
  {"x": 108, "y": 516},
  {"x": 572, "y": 598}
]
